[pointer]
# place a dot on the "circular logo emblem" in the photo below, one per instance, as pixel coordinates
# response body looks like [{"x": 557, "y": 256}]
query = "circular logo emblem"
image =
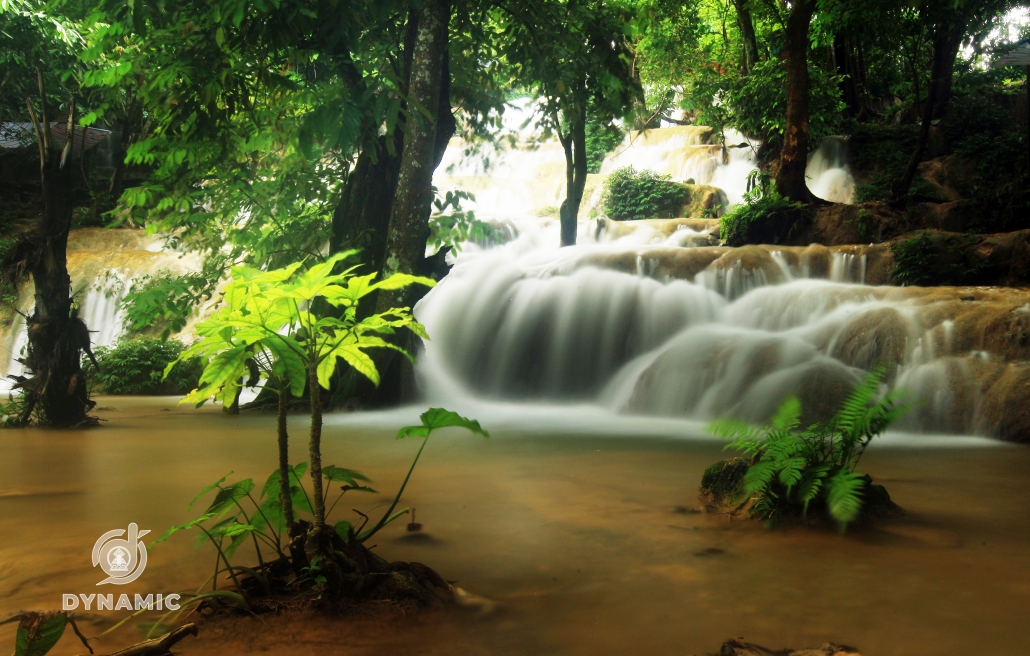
[{"x": 123, "y": 560}]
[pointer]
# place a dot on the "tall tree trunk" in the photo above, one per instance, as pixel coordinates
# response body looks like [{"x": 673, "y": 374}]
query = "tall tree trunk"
[
  {"x": 944, "y": 53},
  {"x": 790, "y": 178},
  {"x": 362, "y": 217},
  {"x": 574, "y": 145},
  {"x": 409, "y": 216},
  {"x": 57, "y": 391},
  {"x": 847, "y": 69},
  {"x": 747, "y": 31}
]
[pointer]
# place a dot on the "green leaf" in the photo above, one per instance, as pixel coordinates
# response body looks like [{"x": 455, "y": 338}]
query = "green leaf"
[
  {"x": 356, "y": 358},
  {"x": 436, "y": 418},
  {"x": 38, "y": 633},
  {"x": 343, "y": 529},
  {"x": 228, "y": 496},
  {"x": 207, "y": 489},
  {"x": 335, "y": 474},
  {"x": 183, "y": 527}
]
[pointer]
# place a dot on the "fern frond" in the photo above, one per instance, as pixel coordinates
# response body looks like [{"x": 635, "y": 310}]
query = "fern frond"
[
  {"x": 759, "y": 475},
  {"x": 788, "y": 414},
  {"x": 852, "y": 418},
  {"x": 810, "y": 485},
  {"x": 790, "y": 472},
  {"x": 844, "y": 496}
]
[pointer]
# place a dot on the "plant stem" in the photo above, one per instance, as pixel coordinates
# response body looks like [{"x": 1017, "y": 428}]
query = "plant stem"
[
  {"x": 382, "y": 522},
  {"x": 284, "y": 458},
  {"x": 315, "y": 445}
]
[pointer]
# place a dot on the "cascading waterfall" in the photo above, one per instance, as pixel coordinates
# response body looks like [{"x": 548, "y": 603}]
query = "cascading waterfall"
[
  {"x": 656, "y": 318},
  {"x": 530, "y": 322}
]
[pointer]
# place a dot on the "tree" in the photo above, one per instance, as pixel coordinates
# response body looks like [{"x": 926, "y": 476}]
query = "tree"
[
  {"x": 790, "y": 176},
  {"x": 950, "y": 24},
  {"x": 573, "y": 56},
  {"x": 39, "y": 57}
]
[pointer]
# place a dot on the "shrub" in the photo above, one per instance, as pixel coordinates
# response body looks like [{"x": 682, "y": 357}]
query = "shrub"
[
  {"x": 631, "y": 194},
  {"x": 924, "y": 261},
  {"x": 793, "y": 469},
  {"x": 765, "y": 217},
  {"x": 602, "y": 138},
  {"x": 136, "y": 366}
]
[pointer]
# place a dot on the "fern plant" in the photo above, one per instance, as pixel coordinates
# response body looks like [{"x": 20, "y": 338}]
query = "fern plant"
[{"x": 793, "y": 468}]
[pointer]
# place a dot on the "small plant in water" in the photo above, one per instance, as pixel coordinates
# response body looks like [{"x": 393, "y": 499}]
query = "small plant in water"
[{"x": 791, "y": 469}]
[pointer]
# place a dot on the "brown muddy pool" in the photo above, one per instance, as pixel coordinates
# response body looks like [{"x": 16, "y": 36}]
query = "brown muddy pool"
[{"x": 583, "y": 542}]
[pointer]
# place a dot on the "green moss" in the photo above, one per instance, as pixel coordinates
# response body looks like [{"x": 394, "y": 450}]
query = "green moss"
[
  {"x": 724, "y": 479},
  {"x": 925, "y": 261},
  {"x": 768, "y": 219}
]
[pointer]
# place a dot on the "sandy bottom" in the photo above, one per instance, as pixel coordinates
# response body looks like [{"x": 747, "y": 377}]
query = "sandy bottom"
[{"x": 582, "y": 541}]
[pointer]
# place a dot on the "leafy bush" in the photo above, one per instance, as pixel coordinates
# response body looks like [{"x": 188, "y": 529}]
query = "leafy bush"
[
  {"x": 795, "y": 469},
  {"x": 602, "y": 138},
  {"x": 631, "y": 194},
  {"x": 165, "y": 301},
  {"x": 758, "y": 104},
  {"x": 456, "y": 226},
  {"x": 765, "y": 217},
  {"x": 136, "y": 366},
  {"x": 926, "y": 262}
]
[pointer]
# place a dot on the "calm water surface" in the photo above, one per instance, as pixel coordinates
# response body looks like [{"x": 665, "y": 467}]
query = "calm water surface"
[{"x": 582, "y": 540}]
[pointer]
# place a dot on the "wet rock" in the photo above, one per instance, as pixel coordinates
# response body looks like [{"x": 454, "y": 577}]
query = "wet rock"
[
  {"x": 738, "y": 647},
  {"x": 721, "y": 488}
]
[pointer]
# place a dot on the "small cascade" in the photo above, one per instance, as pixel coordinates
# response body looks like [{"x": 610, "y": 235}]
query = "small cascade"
[
  {"x": 828, "y": 174},
  {"x": 102, "y": 265}
]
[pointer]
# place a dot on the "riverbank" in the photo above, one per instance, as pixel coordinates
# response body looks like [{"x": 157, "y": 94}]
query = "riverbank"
[{"x": 588, "y": 545}]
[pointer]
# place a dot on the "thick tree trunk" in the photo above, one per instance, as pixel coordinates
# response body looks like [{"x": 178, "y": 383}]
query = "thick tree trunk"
[
  {"x": 57, "y": 392},
  {"x": 362, "y": 217},
  {"x": 790, "y": 178},
  {"x": 747, "y": 32},
  {"x": 409, "y": 216},
  {"x": 574, "y": 144},
  {"x": 945, "y": 51},
  {"x": 847, "y": 67}
]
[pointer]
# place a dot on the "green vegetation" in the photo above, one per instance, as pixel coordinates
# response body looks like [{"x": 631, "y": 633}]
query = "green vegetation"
[
  {"x": 164, "y": 301},
  {"x": 928, "y": 261},
  {"x": 765, "y": 217},
  {"x": 601, "y": 139},
  {"x": 792, "y": 469},
  {"x": 135, "y": 366},
  {"x": 630, "y": 194},
  {"x": 450, "y": 225}
]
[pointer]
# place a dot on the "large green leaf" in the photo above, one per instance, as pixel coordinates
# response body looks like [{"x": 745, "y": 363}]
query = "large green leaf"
[
  {"x": 38, "y": 633},
  {"x": 436, "y": 418}
]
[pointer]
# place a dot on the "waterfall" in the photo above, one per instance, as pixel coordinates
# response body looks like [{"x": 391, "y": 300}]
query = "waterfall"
[
  {"x": 656, "y": 318},
  {"x": 102, "y": 265},
  {"x": 828, "y": 174},
  {"x": 640, "y": 325}
]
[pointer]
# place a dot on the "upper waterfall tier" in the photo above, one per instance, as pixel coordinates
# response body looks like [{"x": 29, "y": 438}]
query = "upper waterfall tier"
[{"x": 521, "y": 173}]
